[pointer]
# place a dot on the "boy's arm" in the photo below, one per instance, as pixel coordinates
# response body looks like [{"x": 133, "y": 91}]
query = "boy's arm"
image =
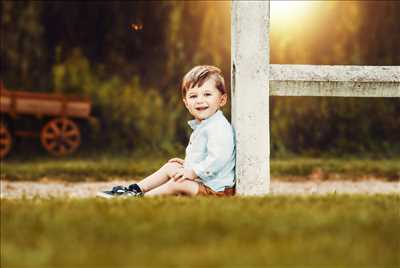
[
  {"x": 183, "y": 174},
  {"x": 176, "y": 160}
]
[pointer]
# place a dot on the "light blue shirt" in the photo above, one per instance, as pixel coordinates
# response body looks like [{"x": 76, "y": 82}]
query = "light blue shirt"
[{"x": 211, "y": 151}]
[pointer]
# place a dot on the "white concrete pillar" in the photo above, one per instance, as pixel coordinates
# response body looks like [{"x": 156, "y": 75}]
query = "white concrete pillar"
[{"x": 250, "y": 95}]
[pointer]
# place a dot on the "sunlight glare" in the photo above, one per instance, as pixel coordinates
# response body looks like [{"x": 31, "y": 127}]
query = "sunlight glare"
[{"x": 289, "y": 12}]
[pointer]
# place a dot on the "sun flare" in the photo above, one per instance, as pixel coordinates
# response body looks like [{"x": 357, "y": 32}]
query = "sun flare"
[{"x": 289, "y": 12}]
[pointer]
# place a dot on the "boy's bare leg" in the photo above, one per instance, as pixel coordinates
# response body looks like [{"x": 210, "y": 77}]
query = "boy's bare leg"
[
  {"x": 159, "y": 177},
  {"x": 186, "y": 187}
]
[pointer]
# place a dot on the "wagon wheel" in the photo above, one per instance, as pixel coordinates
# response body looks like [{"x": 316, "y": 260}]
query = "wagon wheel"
[
  {"x": 5, "y": 141},
  {"x": 60, "y": 136}
]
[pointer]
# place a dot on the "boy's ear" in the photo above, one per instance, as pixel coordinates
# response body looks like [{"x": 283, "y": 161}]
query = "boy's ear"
[
  {"x": 184, "y": 101},
  {"x": 224, "y": 99}
]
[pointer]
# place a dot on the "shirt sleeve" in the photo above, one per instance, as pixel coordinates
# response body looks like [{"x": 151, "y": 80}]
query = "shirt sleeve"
[{"x": 220, "y": 147}]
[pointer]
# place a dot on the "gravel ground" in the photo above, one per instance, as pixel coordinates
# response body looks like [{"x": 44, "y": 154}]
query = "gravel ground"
[{"x": 48, "y": 188}]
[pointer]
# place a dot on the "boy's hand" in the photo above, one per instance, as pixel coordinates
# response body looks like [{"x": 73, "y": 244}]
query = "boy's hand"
[
  {"x": 176, "y": 160},
  {"x": 179, "y": 174},
  {"x": 183, "y": 174}
]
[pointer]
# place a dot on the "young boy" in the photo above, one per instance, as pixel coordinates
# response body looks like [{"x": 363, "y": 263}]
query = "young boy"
[{"x": 208, "y": 167}]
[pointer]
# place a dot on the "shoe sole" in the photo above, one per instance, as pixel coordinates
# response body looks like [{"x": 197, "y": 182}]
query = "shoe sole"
[{"x": 104, "y": 195}]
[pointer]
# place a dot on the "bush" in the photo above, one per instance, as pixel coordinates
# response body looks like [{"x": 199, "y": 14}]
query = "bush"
[
  {"x": 129, "y": 116},
  {"x": 135, "y": 117}
]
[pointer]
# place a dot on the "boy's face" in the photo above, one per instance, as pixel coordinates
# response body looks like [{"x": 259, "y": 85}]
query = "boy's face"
[{"x": 202, "y": 102}]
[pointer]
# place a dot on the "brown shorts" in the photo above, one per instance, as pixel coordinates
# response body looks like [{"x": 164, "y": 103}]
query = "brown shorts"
[{"x": 207, "y": 191}]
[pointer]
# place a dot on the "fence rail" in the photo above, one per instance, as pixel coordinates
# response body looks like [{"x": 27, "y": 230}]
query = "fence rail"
[
  {"x": 334, "y": 81},
  {"x": 254, "y": 79}
]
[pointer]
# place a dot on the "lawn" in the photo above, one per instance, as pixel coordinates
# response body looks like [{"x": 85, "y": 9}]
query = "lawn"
[
  {"x": 108, "y": 167},
  {"x": 328, "y": 231}
]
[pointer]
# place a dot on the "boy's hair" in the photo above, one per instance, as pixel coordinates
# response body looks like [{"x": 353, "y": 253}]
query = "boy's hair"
[{"x": 199, "y": 74}]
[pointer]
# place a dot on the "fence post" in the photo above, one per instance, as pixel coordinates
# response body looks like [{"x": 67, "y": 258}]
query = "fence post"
[{"x": 250, "y": 95}]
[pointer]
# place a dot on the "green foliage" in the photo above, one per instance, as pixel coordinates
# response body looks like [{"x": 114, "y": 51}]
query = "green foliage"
[
  {"x": 22, "y": 51},
  {"x": 129, "y": 115},
  {"x": 335, "y": 126},
  {"x": 74, "y": 75},
  {"x": 280, "y": 231},
  {"x": 133, "y": 76},
  {"x": 365, "y": 33}
]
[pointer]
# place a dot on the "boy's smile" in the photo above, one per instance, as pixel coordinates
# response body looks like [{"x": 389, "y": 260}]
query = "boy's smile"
[{"x": 202, "y": 102}]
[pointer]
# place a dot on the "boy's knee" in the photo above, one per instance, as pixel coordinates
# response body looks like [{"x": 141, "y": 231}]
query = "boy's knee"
[
  {"x": 171, "y": 168},
  {"x": 180, "y": 187},
  {"x": 172, "y": 185}
]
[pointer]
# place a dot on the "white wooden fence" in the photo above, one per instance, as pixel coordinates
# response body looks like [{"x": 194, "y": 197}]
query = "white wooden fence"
[{"x": 254, "y": 80}]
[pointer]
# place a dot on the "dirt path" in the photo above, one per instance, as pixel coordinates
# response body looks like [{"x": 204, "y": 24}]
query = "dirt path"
[{"x": 88, "y": 189}]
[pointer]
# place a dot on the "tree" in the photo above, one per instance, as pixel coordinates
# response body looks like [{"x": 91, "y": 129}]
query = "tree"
[{"x": 22, "y": 50}]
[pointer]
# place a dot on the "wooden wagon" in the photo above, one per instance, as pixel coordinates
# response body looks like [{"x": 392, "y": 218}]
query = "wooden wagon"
[{"x": 54, "y": 118}]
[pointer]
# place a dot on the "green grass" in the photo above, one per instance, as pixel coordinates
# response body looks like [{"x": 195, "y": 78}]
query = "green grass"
[
  {"x": 329, "y": 231},
  {"x": 337, "y": 168},
  {"x": 108, "y": 167},
  {"x": 96, "y": 168}
]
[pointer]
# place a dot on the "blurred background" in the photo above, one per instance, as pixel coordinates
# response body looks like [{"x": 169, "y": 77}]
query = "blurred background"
[{"x": 128, "y": 57}]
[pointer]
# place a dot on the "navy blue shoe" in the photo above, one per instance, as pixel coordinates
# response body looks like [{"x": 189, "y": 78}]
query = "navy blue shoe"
[{"x": 119, "y": 191}]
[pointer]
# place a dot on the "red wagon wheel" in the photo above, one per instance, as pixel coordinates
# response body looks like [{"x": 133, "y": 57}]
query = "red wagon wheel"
[
  {"x": 60, "y": 136},
  {"x": 5, "y": 141}
]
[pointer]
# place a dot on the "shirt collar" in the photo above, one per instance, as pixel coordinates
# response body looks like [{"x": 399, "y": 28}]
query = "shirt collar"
[{"x": 195, "y": 124}]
